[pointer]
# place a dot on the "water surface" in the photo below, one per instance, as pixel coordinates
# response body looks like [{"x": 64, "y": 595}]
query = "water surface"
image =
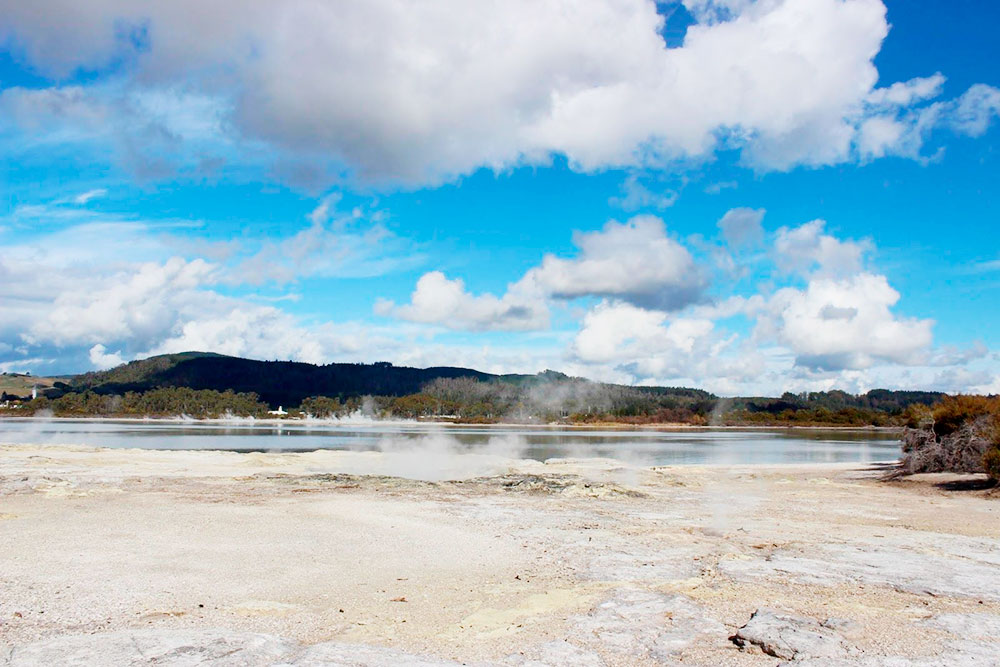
[{"x": 641, "y": 447}]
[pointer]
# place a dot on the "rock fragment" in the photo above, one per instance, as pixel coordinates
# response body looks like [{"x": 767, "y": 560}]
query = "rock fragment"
[{"x": 790, "y": 637}]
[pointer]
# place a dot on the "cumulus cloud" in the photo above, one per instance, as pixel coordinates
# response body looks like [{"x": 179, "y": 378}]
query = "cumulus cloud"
[
  {"x": 102, "y": 359},
  {"x": 137, "y": 306},
  {"x": 445, "y": 302},
  {"x": 635, "y": 261},
  {"x": 234, "y": 327},
  {"x": 651, "y": 346},
  {"x": 807, "y": 249},
  {"x": 846, "y": 324},
  {"x": 175, "y": 306},
  {"x": 623, "y": 332},
  {"x": 436, "y": 90}
]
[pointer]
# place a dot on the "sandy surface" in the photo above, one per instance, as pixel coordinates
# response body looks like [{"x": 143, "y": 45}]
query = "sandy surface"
[{"x": 156, "y": 557}]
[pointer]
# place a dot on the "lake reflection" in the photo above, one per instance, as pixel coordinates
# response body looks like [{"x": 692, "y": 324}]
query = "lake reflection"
[{"x": 695, "y": 446}]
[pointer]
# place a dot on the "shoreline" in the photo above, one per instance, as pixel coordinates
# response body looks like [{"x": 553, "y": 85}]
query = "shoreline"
[
  {"x": 362, "y": 423},
  {"x": 329, "y": 457}
]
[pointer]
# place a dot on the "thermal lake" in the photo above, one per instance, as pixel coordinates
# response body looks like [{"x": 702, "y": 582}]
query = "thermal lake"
[{"x": 637, "y": 447}]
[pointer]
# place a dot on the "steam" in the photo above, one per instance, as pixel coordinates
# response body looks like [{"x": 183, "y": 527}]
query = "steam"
[
  {"x": 366, "y": 415},
  {"x": 437, "y": 457},
  {"x": 720, "y": 408},
  {"x": 31, "y": 431}
]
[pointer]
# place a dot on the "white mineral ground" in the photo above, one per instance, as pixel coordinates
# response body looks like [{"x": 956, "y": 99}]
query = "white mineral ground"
[{"x": 131, "y": 557}]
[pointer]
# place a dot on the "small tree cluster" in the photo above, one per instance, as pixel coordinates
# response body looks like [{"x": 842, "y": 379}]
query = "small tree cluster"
[
  {"x": 165, "y": 402},
  {"x": 960, "y": 434}
]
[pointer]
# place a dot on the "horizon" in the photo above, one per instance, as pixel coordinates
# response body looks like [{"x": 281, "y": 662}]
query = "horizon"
[{"x": 745, "y": 198}]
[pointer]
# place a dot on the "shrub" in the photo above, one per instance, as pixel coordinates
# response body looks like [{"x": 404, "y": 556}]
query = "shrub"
[
  {"x": 991, "y": 462},
  {"x": 961, "y": 434},
  {"x": 953, "y": 412}
]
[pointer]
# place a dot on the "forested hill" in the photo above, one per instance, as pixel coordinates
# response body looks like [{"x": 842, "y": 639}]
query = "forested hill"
[{"x": 275, "y": 382}]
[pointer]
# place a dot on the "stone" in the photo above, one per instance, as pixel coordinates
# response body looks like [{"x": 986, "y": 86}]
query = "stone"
[
  {"x": 790, "y": 637},
  {"x": 639, "y": 624}
]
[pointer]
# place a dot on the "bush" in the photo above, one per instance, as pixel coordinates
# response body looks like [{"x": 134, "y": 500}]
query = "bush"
[
  {"x": 961, "y": 434},
  {"x": 991, "y": 463},
  {"x": 954, "y": 412}
]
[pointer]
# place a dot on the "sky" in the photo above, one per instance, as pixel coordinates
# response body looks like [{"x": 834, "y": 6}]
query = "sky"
[{"x": 746, "y": 197}]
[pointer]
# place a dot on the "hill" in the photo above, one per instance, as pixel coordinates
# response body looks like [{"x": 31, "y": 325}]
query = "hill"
[
  {"x": 276, "y": 382},
  {"x": 288, "y": 383}
]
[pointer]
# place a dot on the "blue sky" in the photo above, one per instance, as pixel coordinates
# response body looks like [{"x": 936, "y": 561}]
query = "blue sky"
[{"x": 750, "y": 197}]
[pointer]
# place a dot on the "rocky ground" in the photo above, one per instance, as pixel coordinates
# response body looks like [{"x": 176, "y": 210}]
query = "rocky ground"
[{"x": 135, "y": 557}]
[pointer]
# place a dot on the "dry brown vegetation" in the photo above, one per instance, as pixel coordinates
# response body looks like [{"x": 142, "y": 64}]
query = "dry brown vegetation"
[{"x": 959, "y": 434}]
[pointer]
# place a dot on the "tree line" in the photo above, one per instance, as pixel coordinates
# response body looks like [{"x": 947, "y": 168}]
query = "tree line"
[{"x": 549, "y": 398}]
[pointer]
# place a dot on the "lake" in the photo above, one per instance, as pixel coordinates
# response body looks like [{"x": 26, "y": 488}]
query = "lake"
[{"x": 639, "y": 447}]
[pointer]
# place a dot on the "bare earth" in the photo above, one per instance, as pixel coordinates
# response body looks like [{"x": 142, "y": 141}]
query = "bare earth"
[{"x": 131, "y": 557}]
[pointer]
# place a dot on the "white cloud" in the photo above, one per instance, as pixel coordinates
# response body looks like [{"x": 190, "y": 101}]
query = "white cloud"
[
  {"x": 236, "y": 328},
  {"x": 436, "y": 90},
  {"x": 635, "y": 195},
  {"x": 438, "y": 300},
  {"x": 894, "y": 129},
  {"x": 882, "y": 135},
  {"x": 625, "y": 333},
  {"x": 741, "y": 227},
  {"x": 173, "y": 306},
  {"x": 138, "y": 306},
  {"x": 90, "y": 195},
  {"x": 635, "y": 261},
  {"x": 972, "y": 113},
  {"x": 806, "y": 249},
  {"x": 905, "y": 93},
  {"x": 102, "y": 359},
  {"x": 636, "y": 344},
  {"x": 846, "y": 324}
]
